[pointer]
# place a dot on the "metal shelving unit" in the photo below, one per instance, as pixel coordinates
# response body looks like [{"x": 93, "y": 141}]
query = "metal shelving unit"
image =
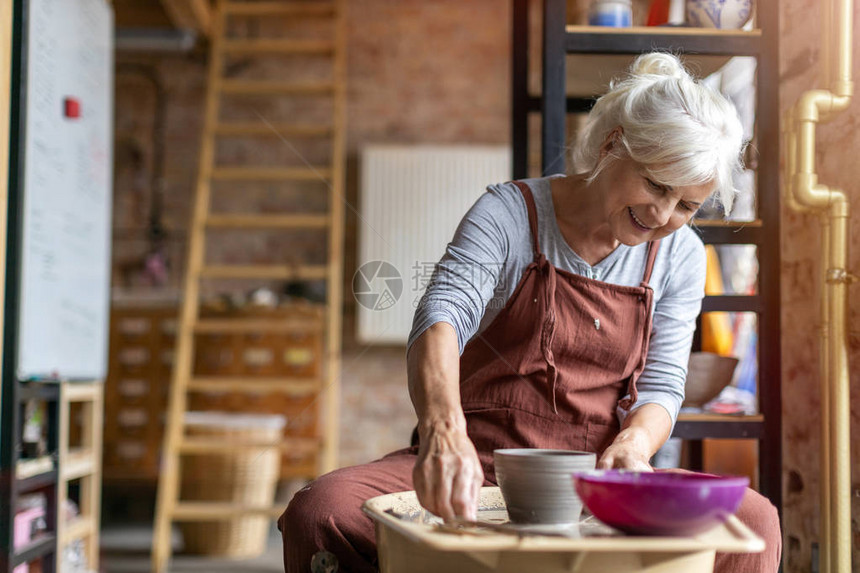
[
  {"x": 14, "y": 483},
  {"x": 599, "y": 52}
]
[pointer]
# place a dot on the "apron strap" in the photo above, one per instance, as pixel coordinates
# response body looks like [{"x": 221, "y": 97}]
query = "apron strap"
[
  {"x": 532, "y": 210},
  {"x": 548, "y": 330},
  {"x": 647, "y": 300},
  {"x": 653, "y": 247},
  {"x": 549, "y": 282}
]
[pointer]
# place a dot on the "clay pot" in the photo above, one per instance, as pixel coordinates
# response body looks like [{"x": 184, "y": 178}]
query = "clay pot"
[
  {"x": 537, "y": 484},
  {"x": 726, "y": 14},
  {"x": 707, "y": 375}
]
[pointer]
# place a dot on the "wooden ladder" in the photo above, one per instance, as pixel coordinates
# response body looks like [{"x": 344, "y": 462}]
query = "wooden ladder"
[{"x": 176, "y": 442}]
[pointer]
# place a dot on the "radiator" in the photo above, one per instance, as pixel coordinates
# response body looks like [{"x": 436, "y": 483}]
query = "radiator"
[{"x": 412, "y": 198}]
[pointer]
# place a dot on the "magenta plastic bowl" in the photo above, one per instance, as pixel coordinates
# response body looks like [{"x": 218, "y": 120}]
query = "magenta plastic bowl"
[{"x": 664, "y": 503}]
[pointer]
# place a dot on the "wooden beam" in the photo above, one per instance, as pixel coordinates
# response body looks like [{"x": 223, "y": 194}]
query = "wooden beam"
[
  {"x": 202, "y": 10},
  {"x": 190, "y": 14}
]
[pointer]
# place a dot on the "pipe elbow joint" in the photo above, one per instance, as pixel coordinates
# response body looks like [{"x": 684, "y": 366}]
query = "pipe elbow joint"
[
  {"x": 843, "y": 88},
  {"x": 808, "y": 193},
  {"x": 839, "y": 205},
  {"x": 812, "y": 104},
  {"x": 803, "y": 183}
]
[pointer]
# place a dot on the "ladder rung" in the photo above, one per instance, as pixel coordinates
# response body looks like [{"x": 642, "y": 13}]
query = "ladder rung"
[
  {"x": 271, "y": 173},
  {"x": 268, "y": 221},
  {"x": 259, "y": 87},
  {"x": 202, "y": 511},
  {"x": 275, "y": 130},
  {"x": 266, "y": 45},
  {"x": 289, "y": 386},
  {"x": 223, "y": 444},
  {"x": 275, "y": 272},
  {"x": 255, "y": 325},
  {"x": 279, "y": 8},
  {"x": 303, "y": 470}
]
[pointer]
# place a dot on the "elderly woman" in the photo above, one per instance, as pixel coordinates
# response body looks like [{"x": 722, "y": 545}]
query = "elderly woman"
[{"x": 561, "y": 316}]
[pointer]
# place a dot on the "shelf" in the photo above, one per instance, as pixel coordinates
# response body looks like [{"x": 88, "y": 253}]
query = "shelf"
[
  {"x": 35, "y": 474},
  {"x": 633, "y": 41},
  {"x": 732, "y": 303},
  {"x": 702, "y": 426},
  {"x": 41, "y": 547},
  {"x": 37, "y": 482},
  {"x": 27, "y": 468},
  {"x": 581, "y": 104},
  {"x": 79, "y": 463},
  {"x": 597, "y": 54},
  {"x": 77, "y": 528},
  {"x": 38, "y": 391},
  {"x": 739, "y": 234}
]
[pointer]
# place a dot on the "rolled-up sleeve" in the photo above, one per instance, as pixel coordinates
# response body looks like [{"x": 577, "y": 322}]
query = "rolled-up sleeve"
[
  {"x": 662, "y": 381},
  {"x": 465, "y": 279}
]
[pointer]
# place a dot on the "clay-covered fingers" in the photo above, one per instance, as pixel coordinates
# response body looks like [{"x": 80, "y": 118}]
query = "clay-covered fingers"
[
  {"x": 466, "y": 489},
  {"x": 448, "y": 476},
  {"x": 631, "y": 450},
  {"x": 624, "y": 458},
  {"x": 433, "y": 483}
]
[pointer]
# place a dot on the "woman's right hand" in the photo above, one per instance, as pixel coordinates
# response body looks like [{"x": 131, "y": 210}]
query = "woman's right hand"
[{"x": 447, "y": 476}]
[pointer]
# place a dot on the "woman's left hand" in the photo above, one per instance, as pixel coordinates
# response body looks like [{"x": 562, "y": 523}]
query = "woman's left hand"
[{"x": 629, "y": 451}]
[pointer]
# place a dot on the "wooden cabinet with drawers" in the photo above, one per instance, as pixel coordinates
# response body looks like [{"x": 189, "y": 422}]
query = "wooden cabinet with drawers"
[{"x": 141, "y": 354}]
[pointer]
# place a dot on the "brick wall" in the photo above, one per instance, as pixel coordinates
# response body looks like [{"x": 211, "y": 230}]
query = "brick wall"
[{"x": 418, "y": 72}]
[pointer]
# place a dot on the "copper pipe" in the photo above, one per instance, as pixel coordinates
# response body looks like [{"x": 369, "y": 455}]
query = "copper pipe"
[
  {"x": 805, "y": 194},
  {"x": 825, "y": 449},
  {"x": 839, "y": 400},
  {"x": 826, "y": 54},
  {"x": 844, "y": 16},
  {"x": 790, "y": 162}
]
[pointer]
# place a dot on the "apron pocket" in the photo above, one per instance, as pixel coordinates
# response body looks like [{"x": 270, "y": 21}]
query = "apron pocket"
[
  {"x": 493, "y": 428},
  {"x": 599, "y": 437},
  {"x": 488, "y": 428}
]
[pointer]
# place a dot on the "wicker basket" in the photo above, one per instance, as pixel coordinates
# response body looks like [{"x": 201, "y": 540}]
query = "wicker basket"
[{"x": 244, "y": 477}]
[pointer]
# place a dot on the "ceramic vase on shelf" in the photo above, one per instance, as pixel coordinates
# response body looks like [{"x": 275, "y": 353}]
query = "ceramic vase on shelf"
[
  {"x": 612, "y": 13},
  {"x": 726, "y": 14}
]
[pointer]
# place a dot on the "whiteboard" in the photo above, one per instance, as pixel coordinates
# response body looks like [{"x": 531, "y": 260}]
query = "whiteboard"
[{"x": 67, "y": 191}]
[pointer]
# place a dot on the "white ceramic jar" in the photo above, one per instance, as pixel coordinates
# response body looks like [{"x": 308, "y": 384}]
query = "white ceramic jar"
[{"x": 727, "y": 14}]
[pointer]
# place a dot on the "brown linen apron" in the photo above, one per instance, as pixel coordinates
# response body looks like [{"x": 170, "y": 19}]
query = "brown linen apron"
[{"x": 551, "y": 368}]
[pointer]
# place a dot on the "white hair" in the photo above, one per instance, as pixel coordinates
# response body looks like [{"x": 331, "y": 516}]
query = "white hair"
[{"x": 680, "y": 131}]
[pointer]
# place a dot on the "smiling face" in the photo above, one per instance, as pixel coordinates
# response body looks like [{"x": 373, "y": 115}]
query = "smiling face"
[{"x": 639, "y": 209}]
